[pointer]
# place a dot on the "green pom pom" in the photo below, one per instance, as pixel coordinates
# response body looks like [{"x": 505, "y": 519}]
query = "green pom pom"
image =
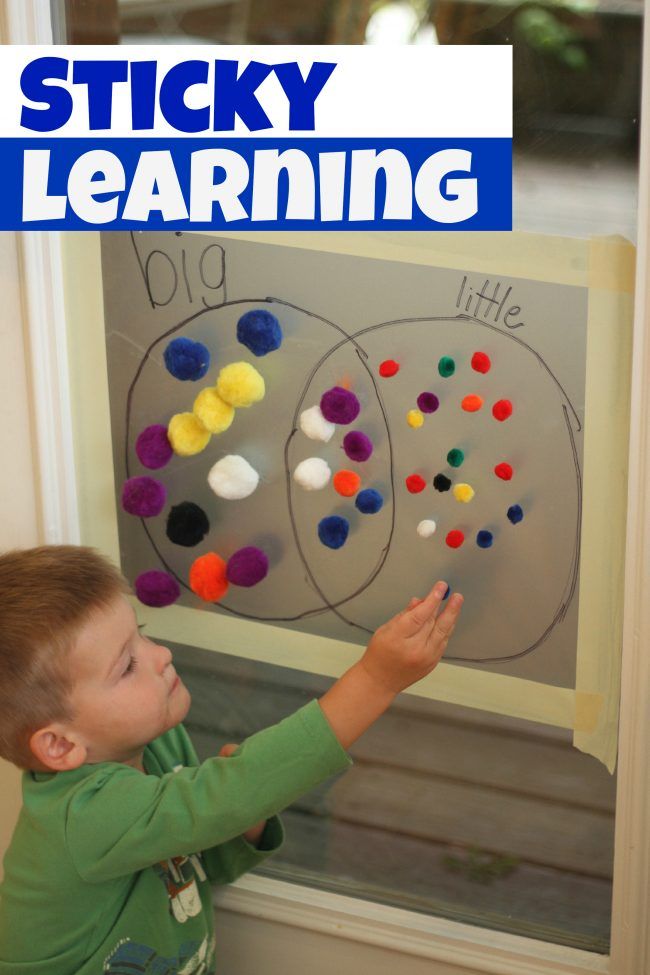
[
  {"x": 446, "y": 366},
  {"x": 455, "y": 457}
]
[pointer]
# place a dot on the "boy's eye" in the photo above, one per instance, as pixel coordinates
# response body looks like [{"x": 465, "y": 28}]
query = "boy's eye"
[{"x": 130, "y": 667}]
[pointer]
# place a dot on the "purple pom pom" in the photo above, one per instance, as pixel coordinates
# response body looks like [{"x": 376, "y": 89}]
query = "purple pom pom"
[
  {"x": 339, "y": 405},
  {"x": 428, "y": 402},
  {"x": 143, "y": 496},
  {"x": 153, "y": 447},
  {"x": 155, "y": 588},
  {"x": 247, "y": 566},
  {"x": 357, "y": 445}
]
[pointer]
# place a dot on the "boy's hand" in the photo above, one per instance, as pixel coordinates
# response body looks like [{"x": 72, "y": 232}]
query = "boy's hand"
[{"x": 254, "y": 834}]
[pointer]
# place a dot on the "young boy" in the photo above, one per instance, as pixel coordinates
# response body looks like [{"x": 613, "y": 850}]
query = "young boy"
[{"x": 121, "y": 830}]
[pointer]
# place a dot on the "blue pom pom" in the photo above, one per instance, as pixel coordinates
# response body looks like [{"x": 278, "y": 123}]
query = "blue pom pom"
[
  {"x": 484, "y": 539},
  {"x": 369, "y": 501},
  {"x": 333, "y": 531},
  {"x": 515, "y": 513},
  {"x": 259, "y": 331},
  {"x": 186, "y": 359},
  {"x": 446, "y": 595}
]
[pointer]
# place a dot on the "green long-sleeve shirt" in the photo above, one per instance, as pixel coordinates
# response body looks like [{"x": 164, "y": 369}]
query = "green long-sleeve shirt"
[{"x": 109, "y": 870}]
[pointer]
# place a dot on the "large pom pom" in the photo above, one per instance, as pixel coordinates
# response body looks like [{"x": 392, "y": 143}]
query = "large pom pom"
[
  {"x": 186, "y": 359},
  {"x": 247, "y": 567},
  {"x": 155, "y": 588},
  {"x": 214, "y": 413},
  {"x": 259, "y": 331},
  {"x": 314, "y": 425},
  {"x": 208, "y": 577},
  {"x": 339, "y": 405},
  {"x": 240, "y": 384},
  {"x": 153, "y": 447},
  {"x": 233, "y": 478},
  {"x": 187, "y": 435},
  {"x": 312, "y": 474},
  {"x": 143, "y": 496},
  {"x": 333, "y": 531}
]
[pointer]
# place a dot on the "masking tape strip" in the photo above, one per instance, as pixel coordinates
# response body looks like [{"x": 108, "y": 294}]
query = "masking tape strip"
[
  {"x": 588, "y": 709},
  {"x": 612, "y": 264}
]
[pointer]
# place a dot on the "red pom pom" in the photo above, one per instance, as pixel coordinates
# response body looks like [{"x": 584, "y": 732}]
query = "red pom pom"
[
  {"x": 455, "y": 538},
  {"x": 504, "y": 471},
  {"x": 415, "y": 483},
  {"x": 481, "y": 362},
  {"x": 502, "y": 410},
  {"x": 346, "y": 483},
  {"x": 472, "y": 403},
  {"x": 208, "y": 577},
  {"x": 388, "y": 368}
]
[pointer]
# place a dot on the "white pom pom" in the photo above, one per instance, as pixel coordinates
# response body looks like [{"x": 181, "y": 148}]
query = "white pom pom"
[
  {"x": 426, "y": 528},
  {"x": 314, "y": 425},
  {"x": 312, "y": 474},
  {"x": 233, "y": 478}
]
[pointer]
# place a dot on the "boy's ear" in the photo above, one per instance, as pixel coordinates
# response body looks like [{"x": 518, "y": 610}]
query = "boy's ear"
[{"x": 55, "y": 751}]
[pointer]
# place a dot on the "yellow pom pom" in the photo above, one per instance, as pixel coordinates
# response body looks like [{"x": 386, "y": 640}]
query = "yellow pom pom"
[
  {"x": 214, "y": 413},
  {"x": 240, "y": 384},
  {"x": 463, "y": 492},
  {"x": 414, "y": 419},
  {"x": 187, "y": 435}
]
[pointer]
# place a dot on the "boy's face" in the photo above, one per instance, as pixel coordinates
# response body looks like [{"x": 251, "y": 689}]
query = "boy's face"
[{"x": 126, "y": 691}]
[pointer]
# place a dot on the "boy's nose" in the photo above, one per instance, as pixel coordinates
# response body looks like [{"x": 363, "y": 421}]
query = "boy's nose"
[{"x": 164, "y": 657}]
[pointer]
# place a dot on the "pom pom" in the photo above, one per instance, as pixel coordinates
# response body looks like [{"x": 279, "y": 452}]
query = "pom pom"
[
  {"x": 155, "y": 588},
  {"x": 414, "y": 419},
  {"x": 333, "y": 531},
  {"x": 504, "y": 471},
  {"x": 143, "y": 496},
  {"x": 259, "y": 331},
  {"x": 484, "y": 538},
  {"x": 247, "y": 566},
  {"x": 186, "y": 359},
  {"x": 187, "y": 435},
  {"x": 240, "y": 384},
  {"x": 428, "y": 402},
  {"x": 153, "y": 447},
  {"x": 314, "y": 425},
  {"x": 515, "y": 514},
  {"x": 463, "y": 492},
  {"x": 339, "y": 405},
  {"x": 502, "y": 410},
  {"x": 312, "y": 474},
  {"x": 415, "y": 483},
  {"x": 441, "y": 483},
  {"x": 481, "y": 362},
  {"x": 388, "y": 368},
  {"x": 346, "y": 483},
  {"x": 369, "y": 501},
  {"x": 208, "y": 577},
  {"x": 446, "y": 367},
  {"x": 357, "y": 446},
  {"x": 455, "y": 538},
  {"x": 187, "y": 524},
  {"x": 214, "y": 413},
  {"x": 233, "y": 478},
  {"x": 455, "y": 457},
  {"x": 426, "y": 528},
  {"x": 472, "y": 403},
  {"x": 446, "y": 595}
]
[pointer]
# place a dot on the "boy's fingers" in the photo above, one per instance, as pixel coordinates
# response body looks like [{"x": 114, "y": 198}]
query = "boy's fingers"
[
  {"x": 445, "y": 622},
  {"x": 425, "y": 610}
]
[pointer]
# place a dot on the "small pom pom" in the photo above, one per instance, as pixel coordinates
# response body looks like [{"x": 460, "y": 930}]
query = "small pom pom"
[
  {"x": 247, "y": 566},
  {"x": 481, "y": 362},
  {"x": 415, "y": 483},
  {"x": 515, "y": 514},
  {"x": 186, "y": 359},
  {"x": 455, "y": 457},
  {"x": 333, "y": 531},
  {"x": 214, "y": 413},
  {"x": 504, "y": 471},
  {"x": 455, "y": 538},
  {"x": 446, "y": 367},
  {"x": 428, "y": 402},
  {"x": 339, "y": 405},
  {"x": 240, "y": 384},
  {"x": 414, "y": 419},
  {"x": 143, "y": 496},
  {"x": 472, "y": 403},
  {"x": 314, "y": 425},
  {"x": 388, "y": 368},
  {"x": 208, "y": 577},
  {"x": 446, "y": 595},
  {"x": 187, "y": 435},
  {"x": 484, "y": 539},
  {"x": 346, "y": 483},
  {"x": 233, "y": 478},
  {"x": 369, "y": 501},
  {"x": 502, "y": 410},
  {"x": 463, "y": 492},
  {"x": 153, "y": 447},
  {"x": 441, "y": 483},
  {"x": 426, "y": 528},
  {"x": 312, "y": 474},
  {"x": 357, "y": 446},
  {"x": 259, "y": 331},
  {"x": 187, "y": 524},
  {"x": 156, "y": 588}
]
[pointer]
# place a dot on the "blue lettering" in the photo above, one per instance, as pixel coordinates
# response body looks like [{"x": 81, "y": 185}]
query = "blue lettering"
[
  {"x": 236, "y": 96},
  {"x": 59, "y": 100},
  {"x": 99, "y": 76},
  {"x": 303, "y": 92},
  {"x": 172, "y": 96},
  {"x": 143, "y": 94}
]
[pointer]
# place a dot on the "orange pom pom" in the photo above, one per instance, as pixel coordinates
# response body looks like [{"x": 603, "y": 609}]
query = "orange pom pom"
[
  {"x": 208, "y": 577},
  {"x": 472, "y": 404},
  {"x": 346, "y": 483}
]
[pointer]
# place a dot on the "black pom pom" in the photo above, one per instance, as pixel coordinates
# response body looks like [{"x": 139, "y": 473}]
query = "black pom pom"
[{"x": 187, "y": 524}]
